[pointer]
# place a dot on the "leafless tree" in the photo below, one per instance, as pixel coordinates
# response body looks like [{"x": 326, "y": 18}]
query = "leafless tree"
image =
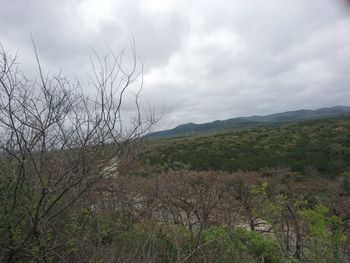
[
  {"x": 56, "y": 143},
  {"x": 191, "y": 199}
]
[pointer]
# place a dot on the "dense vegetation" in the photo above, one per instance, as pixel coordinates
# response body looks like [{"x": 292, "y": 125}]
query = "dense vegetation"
[
  {"x": 269, "y": 194},
  {"x": 250, "y": 122},
  {"x": 321, "y": 146}
]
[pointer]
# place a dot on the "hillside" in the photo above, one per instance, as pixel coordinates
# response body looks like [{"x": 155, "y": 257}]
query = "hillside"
[
  {"x": 321, "y": 146},
  {"x": 250, "y": 122}
]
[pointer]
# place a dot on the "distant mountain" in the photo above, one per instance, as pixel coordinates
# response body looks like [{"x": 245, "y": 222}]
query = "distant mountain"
[{"x": 250, "y": 122}]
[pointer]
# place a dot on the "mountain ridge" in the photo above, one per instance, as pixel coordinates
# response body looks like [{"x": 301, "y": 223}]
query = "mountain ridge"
[{"x": 250, "y": 122}]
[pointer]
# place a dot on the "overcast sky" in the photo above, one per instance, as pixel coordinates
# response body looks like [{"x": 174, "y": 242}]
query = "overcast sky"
[{"x": 204, "y": 59}]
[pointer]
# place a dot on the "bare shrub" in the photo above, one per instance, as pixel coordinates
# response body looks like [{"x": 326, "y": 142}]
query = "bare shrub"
[{"x": 56, "y": 143}]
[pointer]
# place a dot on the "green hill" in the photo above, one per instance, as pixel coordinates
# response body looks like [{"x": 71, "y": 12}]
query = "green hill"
[
  {"x": 321, "y": 146},
  {"x": 250, "y": 122}
]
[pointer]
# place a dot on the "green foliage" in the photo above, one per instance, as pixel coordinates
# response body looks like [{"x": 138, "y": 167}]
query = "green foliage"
[
  {"x": 325, "y": 237},
  {"x": 240, "y": 245},
  {"x": 12, "y": 231},
  {"x": 322, "y": 145}
]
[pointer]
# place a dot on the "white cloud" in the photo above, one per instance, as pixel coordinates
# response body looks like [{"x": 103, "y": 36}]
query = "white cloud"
[{"x": 204, "y": 60}]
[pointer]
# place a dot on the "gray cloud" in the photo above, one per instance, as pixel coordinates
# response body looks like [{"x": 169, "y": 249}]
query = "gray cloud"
[{"x": 204, "y": 60}]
